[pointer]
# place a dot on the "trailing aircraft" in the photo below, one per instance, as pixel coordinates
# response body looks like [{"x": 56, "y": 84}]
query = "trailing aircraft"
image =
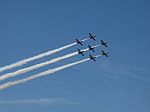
[
  {"x": 91, "y": 48},
  {"x": 104, "y": 43},
  {"x": 92, "y": 36},
  {"x": 92, "y": 57},
  {"x": 104, "y": 53},
  {"x": 79, "y": 41},
  {"x": 80, "y": 52}
]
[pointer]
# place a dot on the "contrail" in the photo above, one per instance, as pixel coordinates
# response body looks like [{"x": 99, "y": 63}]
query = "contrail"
[
  {"x": 50, "y": 71},
  {"x": 42, "y": 101},
  {"x": 22, "y": 62},
  {"x": 24, "y": 70}
]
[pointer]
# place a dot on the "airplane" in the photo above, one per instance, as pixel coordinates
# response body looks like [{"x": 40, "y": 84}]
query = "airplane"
[
  {"x": 92, "y": 36},
  {"x": 92, "y": 58},
  {"x": 104, "y": 43},
  {"x": 79, "y": 41},
  {"x": 104, "y": 53},
  {"x": 80, "y": 52},
  {"x": 91, "y": 48}
]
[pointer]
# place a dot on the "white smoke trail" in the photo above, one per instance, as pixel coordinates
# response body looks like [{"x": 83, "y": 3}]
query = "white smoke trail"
[
  {"x": 84, "y": 39},
  {"x": 24, "y": 70},
  {"x": 96, "y": 45},
  {"x": 50, "y": 71},
  {"x": 22, "y": 62},
  {"x": 42, "y": 101}
]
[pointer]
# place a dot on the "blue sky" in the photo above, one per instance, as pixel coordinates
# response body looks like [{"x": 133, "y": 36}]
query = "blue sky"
[{"x": 117, "y": 84}]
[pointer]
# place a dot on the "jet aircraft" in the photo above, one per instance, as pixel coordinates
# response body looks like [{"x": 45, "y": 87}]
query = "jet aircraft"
[
  {"x": 79, "y": 41},
  {"x": 80, "y": 52},
  {"x": 104, "y": 53},
  {"x": 92, "y": 57},
  {"x": 104, "y": 43},
  {"x": 92, "y": 36},
  {"x": 91, "y": 48}
]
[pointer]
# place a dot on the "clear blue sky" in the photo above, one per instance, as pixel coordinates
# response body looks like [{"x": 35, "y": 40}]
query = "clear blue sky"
[{"x": 118, "y": 84}]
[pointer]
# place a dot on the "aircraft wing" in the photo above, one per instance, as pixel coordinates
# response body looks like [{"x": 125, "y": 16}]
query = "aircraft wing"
[
  {"x": 102, "y": 41},
  {"x": 103, "y": 52},
  {"x": 105, "y": 45},
  {"x": 93, "y": 50},
  {"x": 82, "y": 54},
  {"x": 80, "y": 43},
  {"x": 90, "y": 34},
  {"x": 93, "y": 59},
  {"x": 106, "y": 55}
]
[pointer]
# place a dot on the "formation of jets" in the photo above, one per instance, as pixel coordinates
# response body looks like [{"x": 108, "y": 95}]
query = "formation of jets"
[{"x": 92, "y": 37}]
